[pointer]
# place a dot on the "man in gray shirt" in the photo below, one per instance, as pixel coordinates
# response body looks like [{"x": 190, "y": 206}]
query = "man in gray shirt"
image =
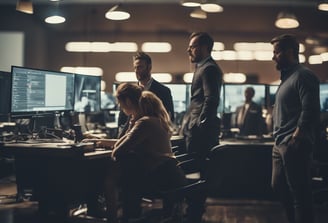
[{"x": 295, "y": 118}]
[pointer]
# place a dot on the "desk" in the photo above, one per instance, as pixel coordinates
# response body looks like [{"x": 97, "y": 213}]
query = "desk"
[{"x": 57, "y": 175}]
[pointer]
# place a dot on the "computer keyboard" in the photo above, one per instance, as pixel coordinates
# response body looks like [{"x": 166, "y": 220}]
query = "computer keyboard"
[
  {"x": 58, "y": 144},
  {"x": 36, "y": 141}
]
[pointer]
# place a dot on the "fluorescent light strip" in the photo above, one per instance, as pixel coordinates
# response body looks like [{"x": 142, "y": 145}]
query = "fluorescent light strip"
[
  {"x": 229, "y": 55},
  {"x": 156, "y": 47},
  {"x": 95, "y": 71},
  {"x": 218, "y": 46},
  {"x": 124, "y": 47},
  {"x": 126, "y": 77},
  {"x": 301, "y": 58},
  {"x": 315, "y": 59},
  {"x": 131, "y": 77},
  {"x": 101, "y": 47},
  {"x": 324, "y": 56},
  {"x": 245, "y": 55},
  {"x": 234, "y": 78},
  {"x": 162, "y": 77},
  {"x": 263, "y": 55}
]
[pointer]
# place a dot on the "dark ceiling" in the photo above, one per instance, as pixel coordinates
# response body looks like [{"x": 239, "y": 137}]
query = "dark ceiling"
[{"x": 239, "y": 16}]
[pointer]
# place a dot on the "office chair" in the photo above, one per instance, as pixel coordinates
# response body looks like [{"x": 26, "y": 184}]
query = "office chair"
[
  {"x": 320, "y": 171},
  {"x": 176, "y": 212},
  {"x": 240, "y": 171}
]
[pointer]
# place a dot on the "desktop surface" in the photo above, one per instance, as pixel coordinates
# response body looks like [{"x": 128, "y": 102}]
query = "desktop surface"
[{"x": 51, "y": 149}]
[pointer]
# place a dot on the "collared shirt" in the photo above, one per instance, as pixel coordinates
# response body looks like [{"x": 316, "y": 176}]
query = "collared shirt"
[
  {"x": 200, "y": 63},
  {"x": 148, "y": 84}
]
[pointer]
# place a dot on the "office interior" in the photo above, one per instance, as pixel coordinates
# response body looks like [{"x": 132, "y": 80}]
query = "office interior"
[{"x": 28, "y": 42}]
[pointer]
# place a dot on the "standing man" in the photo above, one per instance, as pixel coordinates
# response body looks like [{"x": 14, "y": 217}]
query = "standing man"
[
  {"x": 295, "y": 119},
  {"x": 142, "y": 65},
  {"x": 202, "y": 126},
  {"x": 249, "y": 118}
]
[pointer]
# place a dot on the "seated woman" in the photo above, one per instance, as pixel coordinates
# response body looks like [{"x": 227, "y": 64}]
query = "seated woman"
[{"x": 143, "y": 157}]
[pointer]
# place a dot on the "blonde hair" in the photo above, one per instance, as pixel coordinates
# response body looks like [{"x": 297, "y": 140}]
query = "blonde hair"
[{"x": 151, "y": 105}]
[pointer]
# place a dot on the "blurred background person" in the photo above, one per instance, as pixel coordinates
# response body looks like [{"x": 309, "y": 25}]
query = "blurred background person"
[{"x": 249, "y": 118}]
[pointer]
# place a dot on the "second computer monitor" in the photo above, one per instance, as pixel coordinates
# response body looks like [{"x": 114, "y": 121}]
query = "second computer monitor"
[
  {"x": 324, "y": 97},
  {"x": 87, "y": 93},
  {"x": 234, "y": 95}
]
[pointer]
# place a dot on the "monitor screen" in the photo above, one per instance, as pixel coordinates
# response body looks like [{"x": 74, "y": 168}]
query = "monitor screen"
[
  {"x": 108, "y": 101},
  {"x": 272, "y": 89},
  {"x": 179, "y": 95},
  {"x": 234, "y": 95},
  {"x": 5, "y": 82},
  {"x": 37, "y": 91},
  {"x": 87, "y": 93},
  {"x": 324, "y": 97}
]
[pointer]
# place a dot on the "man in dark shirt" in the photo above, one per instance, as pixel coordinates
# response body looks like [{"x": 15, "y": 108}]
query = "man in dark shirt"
[
  {"x": 295, "y": 118},
  {"x": 142, "y": 65}
]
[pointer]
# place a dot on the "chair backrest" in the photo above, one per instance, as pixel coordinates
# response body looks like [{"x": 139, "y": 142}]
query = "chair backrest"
[{"x": 240, "y": 171}]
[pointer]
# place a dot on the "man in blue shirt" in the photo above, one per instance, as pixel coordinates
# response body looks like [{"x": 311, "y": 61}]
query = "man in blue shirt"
[{"x": 295, "y": 119}]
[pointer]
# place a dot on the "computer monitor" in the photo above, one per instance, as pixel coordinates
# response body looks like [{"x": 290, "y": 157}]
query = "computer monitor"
[
  {"x": 5, "y": 82},
  {"x": 108, "y": 101},
  {"x": 87, "y": 93},
  {"x": 234, "y": 95},
  {"x": 36, "y": 91},
  {"x": 179, "y": 96},
  {"x": 272, "y": 89},
  {"x": 324, "y": 97}
]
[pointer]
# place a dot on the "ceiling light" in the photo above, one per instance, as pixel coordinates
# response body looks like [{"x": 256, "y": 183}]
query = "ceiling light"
[
  {"x": 315, "y": 59},
  {"x": 101, "y": 47},
  {"x": 117, "y": 13},
  {"x": 131, "y": 77},
  {"x": 324, "y": 56},
  {"x": 162, "y": 77},
  {"x": 323, "y": 6},
  {"x": 211, "y": 6},
  {"x": 229, "y": 55},
  {"x": 263, "y": 55},
  {"x": 25, "y": 6},
  {"x": 217, "y": 55},
  {"x": 286, "y": 20},
  {"x": 124, "y": 47},
  {"x": 301, "y": 58},
  {"x": 234, "y": 77},
  {"x": 125, "y": 77},
  {"x": 198, "y": 14},
  {"x": 55, "y": 19},
  {"x": 245, "y": 55},
  {"x": 187, "y": 77},
  {"x": 156, "y": 47},
  {"x": 190, "y": 3},
  {"x": 95, "y": 71},
  {"x": 218, "y": 46}
]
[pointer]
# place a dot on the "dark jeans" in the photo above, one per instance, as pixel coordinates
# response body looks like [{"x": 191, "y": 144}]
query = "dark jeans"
[{"x": 291, "y": 179}]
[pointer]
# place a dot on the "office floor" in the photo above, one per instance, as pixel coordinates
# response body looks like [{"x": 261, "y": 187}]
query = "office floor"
[{"x": 218, "y": 210}]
